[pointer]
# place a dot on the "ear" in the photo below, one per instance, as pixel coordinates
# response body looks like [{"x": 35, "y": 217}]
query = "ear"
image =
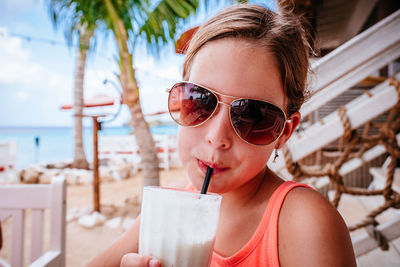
[{"x": 290, "y": 126}]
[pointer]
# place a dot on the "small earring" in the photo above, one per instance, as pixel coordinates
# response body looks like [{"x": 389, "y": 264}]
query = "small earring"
[{"x": 275, "y": 156}]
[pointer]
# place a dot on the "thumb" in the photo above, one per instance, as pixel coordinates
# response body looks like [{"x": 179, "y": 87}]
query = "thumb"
[
  {"x": 136, "y": 260},
  {"x": 154, "y": 263}
]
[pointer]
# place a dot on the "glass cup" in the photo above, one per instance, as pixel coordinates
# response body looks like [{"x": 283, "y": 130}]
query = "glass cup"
[{"x": 178, "y": 227}]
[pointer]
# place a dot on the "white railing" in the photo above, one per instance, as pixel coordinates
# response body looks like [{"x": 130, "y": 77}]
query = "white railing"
[
  {"x": 359, "y": 111},
  {"x": 353, "y": 61},
  {"x": 125, "y": 147}
]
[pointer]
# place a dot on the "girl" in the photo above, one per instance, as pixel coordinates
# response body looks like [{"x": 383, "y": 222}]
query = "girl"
[{"x": 244, "y": 82}]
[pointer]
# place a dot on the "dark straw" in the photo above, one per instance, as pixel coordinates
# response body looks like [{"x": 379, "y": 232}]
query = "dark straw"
[{"x": 207, "y": 180}]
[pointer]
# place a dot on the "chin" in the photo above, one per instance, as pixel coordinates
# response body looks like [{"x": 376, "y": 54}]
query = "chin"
[{"x": 216, "y": 189}]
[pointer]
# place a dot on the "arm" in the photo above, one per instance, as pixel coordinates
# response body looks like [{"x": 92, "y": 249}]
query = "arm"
[{"x": 312, "y": 232}]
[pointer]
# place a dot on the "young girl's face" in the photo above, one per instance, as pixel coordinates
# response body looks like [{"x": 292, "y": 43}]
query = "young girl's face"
[{"x": 236, "y": 68}]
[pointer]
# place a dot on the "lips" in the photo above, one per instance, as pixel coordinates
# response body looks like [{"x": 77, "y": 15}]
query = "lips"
[{"x": 217, "y": 168}]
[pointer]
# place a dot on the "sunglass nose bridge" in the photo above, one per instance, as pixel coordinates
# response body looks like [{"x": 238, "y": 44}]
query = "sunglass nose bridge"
[{"x": 223, "y": 103}]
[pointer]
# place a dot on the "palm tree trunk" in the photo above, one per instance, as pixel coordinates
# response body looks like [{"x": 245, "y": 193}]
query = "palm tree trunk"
[
  {"x": 80, "y": 161},
  {"x": 144, "y": 139}
]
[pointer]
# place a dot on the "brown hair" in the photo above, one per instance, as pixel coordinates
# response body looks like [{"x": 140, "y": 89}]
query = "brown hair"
[{"x": 281, "y": 32}]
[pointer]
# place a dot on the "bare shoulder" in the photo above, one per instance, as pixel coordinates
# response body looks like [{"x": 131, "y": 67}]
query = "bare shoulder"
[{"x": 312, "y": 232}]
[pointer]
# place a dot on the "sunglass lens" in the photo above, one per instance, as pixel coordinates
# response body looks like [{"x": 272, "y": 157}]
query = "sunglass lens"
[
  {"x": 257, "y": 122},
  {"x": 190, "y": 104}
]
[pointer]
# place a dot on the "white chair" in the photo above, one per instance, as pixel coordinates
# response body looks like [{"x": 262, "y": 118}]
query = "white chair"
[{"x": 15, "y": 200}]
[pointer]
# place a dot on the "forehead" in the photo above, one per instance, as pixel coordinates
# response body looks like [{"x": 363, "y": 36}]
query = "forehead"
[{"x": 238, "y": 68}]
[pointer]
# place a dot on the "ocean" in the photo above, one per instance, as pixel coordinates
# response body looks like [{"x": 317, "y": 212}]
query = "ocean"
[{"x": 56, "y": 143}]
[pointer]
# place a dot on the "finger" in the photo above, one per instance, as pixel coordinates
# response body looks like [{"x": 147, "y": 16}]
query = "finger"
[
  {"x": 154, "y": 263},
  {"x": 136, "y": 260}
]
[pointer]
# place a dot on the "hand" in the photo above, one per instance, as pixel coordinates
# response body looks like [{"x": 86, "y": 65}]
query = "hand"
[{"x": 136, "y": 260}]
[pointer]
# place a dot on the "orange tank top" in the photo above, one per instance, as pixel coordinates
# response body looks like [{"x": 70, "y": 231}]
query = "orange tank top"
[{"x": 262, "y": 248}]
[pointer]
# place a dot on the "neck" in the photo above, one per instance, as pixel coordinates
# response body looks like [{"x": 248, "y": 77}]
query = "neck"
[{"x": 249, "y": 193}]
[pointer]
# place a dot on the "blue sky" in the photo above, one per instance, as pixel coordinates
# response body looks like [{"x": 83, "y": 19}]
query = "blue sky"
[{"x": 36, "y": 77}]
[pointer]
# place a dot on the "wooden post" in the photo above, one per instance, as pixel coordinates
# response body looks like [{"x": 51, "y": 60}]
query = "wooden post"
[{"x": 96, "y": 179}]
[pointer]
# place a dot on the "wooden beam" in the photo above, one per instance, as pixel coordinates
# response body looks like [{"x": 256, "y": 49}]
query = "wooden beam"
[
  {"x": 358, "y": 17},
  {"x": 358, "y": 50}
]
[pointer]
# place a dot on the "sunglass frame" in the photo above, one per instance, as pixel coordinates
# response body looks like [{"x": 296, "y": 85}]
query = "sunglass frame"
[{"x": 234, "y": 98}]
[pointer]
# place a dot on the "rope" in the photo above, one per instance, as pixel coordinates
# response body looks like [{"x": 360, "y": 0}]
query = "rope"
[
  {"x": 344, "y": 119},
  {"x": 368, "y": 93},
  {"x": 378, "y": 236},
  {"x": 352, "y": 145}
]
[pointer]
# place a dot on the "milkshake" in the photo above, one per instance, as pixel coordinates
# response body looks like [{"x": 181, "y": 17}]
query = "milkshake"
[{"x": 178, "y": 227}]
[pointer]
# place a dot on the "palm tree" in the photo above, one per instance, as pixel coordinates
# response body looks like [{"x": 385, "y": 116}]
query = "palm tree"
[
  {"x": 120, "y": 22},
  {"x": 128, "y": 20},
  {"x": 79, "y": 160},
  {"x": 70, "y": 14}
]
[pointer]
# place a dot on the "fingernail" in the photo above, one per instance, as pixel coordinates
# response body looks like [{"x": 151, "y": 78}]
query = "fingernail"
[{"x": 154, "y": 263}]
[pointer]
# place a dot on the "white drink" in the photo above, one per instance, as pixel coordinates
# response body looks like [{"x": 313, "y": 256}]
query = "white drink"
[{"x": 178, "y": 227}]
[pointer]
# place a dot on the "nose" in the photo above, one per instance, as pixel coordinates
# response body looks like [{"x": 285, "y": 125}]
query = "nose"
[{"x": 219, "y": 129}]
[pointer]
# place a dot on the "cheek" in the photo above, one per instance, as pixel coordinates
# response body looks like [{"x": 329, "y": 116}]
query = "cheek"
[
  {"x": 185, "y": 143},
  {"x": 252, "y": 159},
  {"x": 255, "y": 159},
  {"x": 258, "y": 158}
]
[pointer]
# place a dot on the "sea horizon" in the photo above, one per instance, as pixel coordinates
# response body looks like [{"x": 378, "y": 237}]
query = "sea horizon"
[{"x": 45, "y": 144}]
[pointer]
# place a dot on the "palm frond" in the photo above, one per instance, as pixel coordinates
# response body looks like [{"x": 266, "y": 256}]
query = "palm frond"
[
  {"x": 162, "y": 21},
  {"x": 73, "y": 16}
]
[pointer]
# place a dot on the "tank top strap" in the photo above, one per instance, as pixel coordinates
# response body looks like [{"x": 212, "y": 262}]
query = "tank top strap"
[
  {"x": 272, "y": 215},
  {"x": 262, "y": 248}
]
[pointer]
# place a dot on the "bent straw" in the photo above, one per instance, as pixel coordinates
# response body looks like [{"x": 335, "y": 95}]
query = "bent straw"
[{"x": 207, "y": 180}]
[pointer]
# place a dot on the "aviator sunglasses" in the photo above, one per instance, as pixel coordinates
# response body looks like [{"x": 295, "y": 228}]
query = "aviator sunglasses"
[{"x": 255, "y": 121}]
